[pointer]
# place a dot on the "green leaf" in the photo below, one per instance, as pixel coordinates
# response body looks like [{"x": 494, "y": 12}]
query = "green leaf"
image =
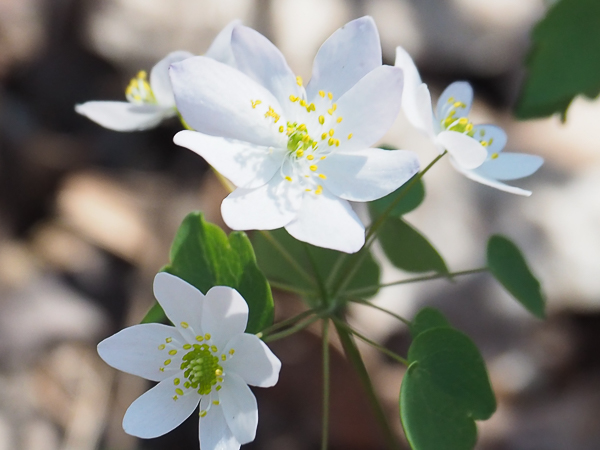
[
  {"x": 407, "y": 249},
  {"x": 427, "y": 319},
  {"x": 414, "y": 196},
  {"x": 277, "y": 268},
  {"x": 445, "y": 389},
  {"x": 563, "y": 61},
  {"x": 204, "y": 256},
  {"x": 509, "y": 267}
]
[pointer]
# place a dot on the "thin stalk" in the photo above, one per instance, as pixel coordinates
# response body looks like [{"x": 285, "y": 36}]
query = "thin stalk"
[
  {"x": 372, "y": 343},
  {"x": 355, "y": 359},
  {"x": 288, "y": 288},
  {"x": 368, "y": 289},
  {"x": 326, "y": 377},
  {"x": 282, "y": 334},
  {"x": 369, "y": 239},
  {"x": 337, "y": 265},
  {"x": 360, "y": 301},
  {"x": 287, "y": 322},
  {"x": 289, "y": 258},
  {"x": 317, "y": 275}
]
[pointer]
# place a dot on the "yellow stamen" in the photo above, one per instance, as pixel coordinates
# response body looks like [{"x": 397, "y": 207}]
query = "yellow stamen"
[
  {"x": 293, "y": 98},
  {"x": 331, "y": 132},
  {"x": 319, "y": 190},
  {"x": 199, "y": 338},
  {"x": 184, "y": 325},
  {"x": 161, "y": 346},
  {"x": 495, "y": 155},
  {"x": 281, "y": 129},
  {"x": 330, "y": 111},
  {"x": 330, "y": 95},
  {"x": 313, "y": 167},
  {"x": 289, "y": 178},
  {"x": 322, "y": 94},
  {"x": 324, "y": 136},
  {"x": 339, "y": 119},
  {"x": 187, "y": 346},
  {"x": 299, "y": 153},
  {"x": 299, "y": 81},
  {"x": 255, "y": 103},
  {"x": 350, "y": 136},
  {"x": 322, "y": 177},
  {"x": 176, "y": 381},
  {"x": 310, "y": 157},
  {"x": 179, "y": 391},
  {"x": 331, "y": 141},
  {"x": 321, "y": 120},
  {"x": 167, "y": 362},
  {"x": 172, "y": 352}
]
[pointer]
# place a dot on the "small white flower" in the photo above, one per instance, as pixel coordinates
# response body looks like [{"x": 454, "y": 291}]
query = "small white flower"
[
  {"x": 149, "y": 102},
  {"x": 449, "y": 129},
  {"x": 206, "y": 359},
  {"x": 499, "y": 165},
  {"x": 297, "y": 155},
  {"x": 475, "y": 150}
]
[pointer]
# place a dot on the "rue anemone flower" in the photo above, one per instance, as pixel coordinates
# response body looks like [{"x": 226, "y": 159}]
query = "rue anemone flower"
[
  {"x": 297, "y": 154},
  {"x": 150, "y": 99},
  {"x": 204, "y": 360}
]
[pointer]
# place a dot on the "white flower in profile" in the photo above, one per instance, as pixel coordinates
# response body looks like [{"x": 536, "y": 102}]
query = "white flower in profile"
[
  {"x": 150, "y": 101},
  {"x": 206, "y": 359},
  {"x": 500, "y": 166},
  {"x": 297, "y": 155},
  {"x": 449, "y": 128}
]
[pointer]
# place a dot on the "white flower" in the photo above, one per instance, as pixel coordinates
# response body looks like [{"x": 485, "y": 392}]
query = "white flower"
[
  {"x": 149, "y": 102},
  {"x": 297, "y": 155},
  {"x": 449, "y": 129},
  {"x": 475, "y": 150},
  {"x": 499, "y": 165},
  {"x": 206, "y": 359}
]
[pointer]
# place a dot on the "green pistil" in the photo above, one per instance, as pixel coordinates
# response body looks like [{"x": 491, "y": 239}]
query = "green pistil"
[
  {"x": 298, "y": 138},
  {"x": 201, "y": 368}
]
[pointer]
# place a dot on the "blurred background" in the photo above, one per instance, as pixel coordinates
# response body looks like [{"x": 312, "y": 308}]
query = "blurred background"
[{"x": 87, "y": 216}]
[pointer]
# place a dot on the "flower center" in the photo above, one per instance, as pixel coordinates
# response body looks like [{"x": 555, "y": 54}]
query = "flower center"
[
  {"x": 139, "y": 91},
  {"x": 201, "y": 368},
  {"x": 450, "y": 122}
]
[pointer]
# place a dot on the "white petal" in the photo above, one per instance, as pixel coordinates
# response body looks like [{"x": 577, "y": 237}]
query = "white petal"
[
  {"x": 268, "y": 207},
  {"x": 181, "y": 302},
  {"x": 489, "y": 182},
  {"x": 220, "y": 49},
  {"x": 246, "y": 165},
  {"x": 239, "y": 408},
  {"x": 349, "y": 54},
  {"x": 465, "y": 150},
  {"x": 252, "y": 360},
  {"x": 225, "y": 314},
  {"x": 216, "y": 99},
  {"x": 124, "y": 116},
  {"x": 328, "y": 221},
  {"x": 213, "y": 429},
  {"x": 135, "y": 350},
  {"x": 459, "y": 91},
  {"x": 493, "y": 133},
  {"x": 159, "y": 78},
  {"x": 510, "y": 166},
  {"x": 156, "y": 412},
  {"x": 369, "y": 108},
  {"x": 258, "y": 58},
  {"x": 366, "y": 175}
]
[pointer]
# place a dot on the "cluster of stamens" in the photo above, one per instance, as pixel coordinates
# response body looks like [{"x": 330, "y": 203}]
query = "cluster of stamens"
[{"x": 139, "y": 91}]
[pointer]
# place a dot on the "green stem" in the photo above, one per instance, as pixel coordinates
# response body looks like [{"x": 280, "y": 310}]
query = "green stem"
[
  {"x": 369, "y": 239},
  {"x": 339, "y": 262},
  {"x": 317, "y": 275},
  {"x": 354, "y": 357},
  {"x": 369, "y": 289},
  {"x": 287, "y": 288},
  {"x": 291, "y": 261},
  {"x": 360, "y": 301},
  {"x": 325, "y": 429},
  {"x": 287, "y": 322},
  {"x": 372, "y": 343},
  {"x": 282, "y": 334}
]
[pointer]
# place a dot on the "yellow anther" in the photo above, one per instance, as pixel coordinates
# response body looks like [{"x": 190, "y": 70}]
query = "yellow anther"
[
  {"x": 299, "y": 153},
  {"x": 469, "y": 127},
  {"x": 299, "y": 81},
  {"x": 308, "y": 190},
  {"x": 322, "y": 177},
  {"x": 185, "y": 325},
  {"x": 334, "y": 106},
  {"x": 457, "y": 104},
  {"x": 310, "y": 107},
  {"x": 179, "y": 391},
  {"x": 289, "y": 179},
  {"x": 187, "y": 346},
  {"x": 305, "y": 138},
  {"x": 199, "y": 338},
  {"x": 322, "y": 94},
  {"x": 176, "y": 381},
  {"x": 231, "y": 352},
  {"x": 331, "y": 142},
  {"x": 337, "y": 142},
  {"x": 167, "y": 362},
  {"x": 216, "y": 402},
  {"x": 302, "y": 127},
  {"x": 324, "y": 136},
  {"x": 207, "y": 336},
  {"x": 161, "y": 346},
  {"x": 281, "y": 129},
  {"x": 321, "y": 120},
  {"x": 330, "y": 95},
  {"x": 293, "y": 98},
  {"x": 339, "y": 119},
  {"x": 319, "y": 190},
  {"x": 213, "y": 348},
  {"x": 484, "y": 143},
  {"x": 323, "y": 157},
  {"x": 303, "y": 103},
  {"x": 175, "y": 397},
  {"x": 218, "y": 388},
  {"x": 218, "y": 372},
  {"x": 330, "y": 111},
  {"x": 203, "y": 413},
  {"x": 331, "y": 132},
  {"x": 255, "y": 103},
  {"x": 223, "y": 357},
  {"x": 162, "y": 369},
  {"x": 169, "y": 340},
  {"x": 314, "y": 144},
  {"x": 463, "y": 121},
  {"x": 172, "y": 352},
  {"x": 142, "y": 74},
  {"x": 313, "y": 167},
  {"x": 495, "y": 155},
  {"x": 271, "y": 113},
  {"x": 310, "y": 157},
  {"x": 491, "y": 140},
  {"x": 451, "y": 100}
]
